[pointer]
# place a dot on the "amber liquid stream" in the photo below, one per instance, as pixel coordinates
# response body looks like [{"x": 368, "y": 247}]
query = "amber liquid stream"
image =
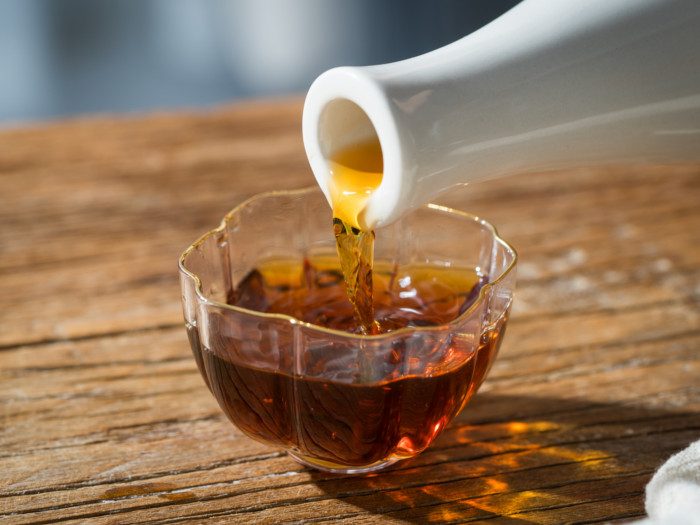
[{"x": 355, "y": 174}]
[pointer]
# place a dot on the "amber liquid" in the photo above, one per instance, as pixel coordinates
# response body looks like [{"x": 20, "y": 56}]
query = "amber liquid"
[{"x": 333, "y": 422}]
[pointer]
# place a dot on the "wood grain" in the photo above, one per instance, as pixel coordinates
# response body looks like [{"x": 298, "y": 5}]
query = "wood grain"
[{"x": 105, "y": 418}]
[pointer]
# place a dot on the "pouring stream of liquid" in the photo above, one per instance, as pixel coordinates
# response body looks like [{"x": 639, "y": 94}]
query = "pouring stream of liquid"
[{"x": 355, "y": 174}]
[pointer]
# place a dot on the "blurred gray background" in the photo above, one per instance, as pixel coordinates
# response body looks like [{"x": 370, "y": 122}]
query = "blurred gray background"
[{"x": 67, "y": 57}]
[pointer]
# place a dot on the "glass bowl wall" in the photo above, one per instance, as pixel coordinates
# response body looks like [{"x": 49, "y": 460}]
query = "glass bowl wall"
[{"x": 335, "y": 400}]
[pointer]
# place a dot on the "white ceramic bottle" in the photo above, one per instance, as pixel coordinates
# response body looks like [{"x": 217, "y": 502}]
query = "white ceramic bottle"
[{"x": 548, "y": 85}]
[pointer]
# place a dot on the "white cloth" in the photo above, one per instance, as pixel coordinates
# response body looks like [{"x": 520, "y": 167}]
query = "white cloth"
[{"x": 673, "y": 494}]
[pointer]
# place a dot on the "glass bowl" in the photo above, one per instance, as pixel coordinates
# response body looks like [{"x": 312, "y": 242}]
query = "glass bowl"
[{"x": 336, "y": 400}]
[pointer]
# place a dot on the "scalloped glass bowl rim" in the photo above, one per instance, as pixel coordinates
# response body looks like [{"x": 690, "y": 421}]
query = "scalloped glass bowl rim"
[{"x": 292, "y": 320}]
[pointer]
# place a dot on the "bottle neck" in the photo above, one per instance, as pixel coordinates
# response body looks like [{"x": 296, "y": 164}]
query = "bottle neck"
[{"x": 545, "y": 86}]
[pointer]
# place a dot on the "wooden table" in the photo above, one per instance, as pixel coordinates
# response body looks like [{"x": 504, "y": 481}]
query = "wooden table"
[{"x": 105, "y": 418}]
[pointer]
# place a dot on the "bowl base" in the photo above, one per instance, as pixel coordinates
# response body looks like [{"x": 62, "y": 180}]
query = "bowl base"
[{"x": 336, "y": 468}]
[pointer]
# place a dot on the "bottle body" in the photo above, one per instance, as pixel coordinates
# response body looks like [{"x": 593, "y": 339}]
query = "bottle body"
[{"x": 548, "y": 85}]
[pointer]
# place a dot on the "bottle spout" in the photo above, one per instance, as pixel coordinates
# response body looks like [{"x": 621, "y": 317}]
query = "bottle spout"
[{"x": 347, "y": 109}]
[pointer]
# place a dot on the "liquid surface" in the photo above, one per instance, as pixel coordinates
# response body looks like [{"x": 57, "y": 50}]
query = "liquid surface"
[{"x": 314, "y": 291}]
